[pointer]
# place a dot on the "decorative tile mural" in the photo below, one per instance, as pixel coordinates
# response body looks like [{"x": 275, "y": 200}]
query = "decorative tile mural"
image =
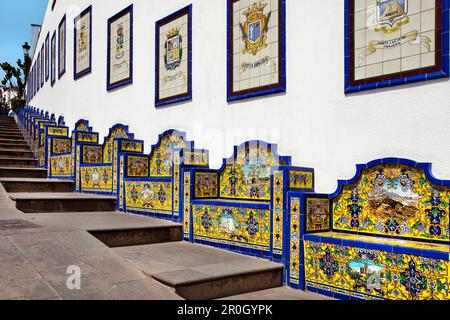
[
  {"x": 244, "y": 227},
  {"x": 161, "y": 158},
  {"x": 57, "y": 131},
  {"x": 206, "y": 185},
  {"x": 61, "y": 146},
  {"x": 278, "y": 211},
  {"x": 137, "y": 166},
  {"x": 393, "y": 42},
  {"x": 117, "y": 131},
  {"x": 82, "y": 126},
  {"x": 88, "y": 137},
  {"x": 96, "y": 178},
  {"x": 151, "y": 196},
  {"x": 132, "y": 146},
  {"x": 186, "y": 205},
  {"x": 195, "y": 158},
  {"x": 295, "y": 242},
  {"x": 62, "y": 166},
  {"x": 92, "y": 154},
  {"x": 256, "y": 48},
  {"x": 174, "y": 58},
  {"x": 247, "y": 174},
  {"x": 317, "y": 214},
  {"x": 62, "y": 47},
  {"x": 83, "y": 43},
  {"x": 395, "y": 200},
  {"x": 120, "y": 49},
  {"x": 301, "y": 180},
  {"x": 373, "y": 274}
]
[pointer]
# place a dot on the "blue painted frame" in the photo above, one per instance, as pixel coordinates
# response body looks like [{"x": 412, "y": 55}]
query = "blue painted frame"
[
  {"x": 62, "y": 24},
  {"x": 185, "y": 96},
  {"x": 42, "y": 73},
  {"x": 111, "y": 86},
  {"x": 88, "y": 70},
  {"x": 53, "y": 60},
  {"x": 264, "y": 90},
  {"x": 47, "y": 57},
  {"x": 441, "y": 71}
]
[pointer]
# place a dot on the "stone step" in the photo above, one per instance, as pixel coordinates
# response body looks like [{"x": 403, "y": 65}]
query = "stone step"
[
  {"x": 16, "y": 153},
  {"x": 124, "y": 237},
  {"x": 200, "y": 272},
  {"x": 18, "y": 162},
  {"x": 15, "y": 146},
  {"x": 13, "y": 141},
  {"x": 14, "y": 172},
  {"x": 62, "y": 202},
  {"x": 4, "y": 130},
  {"x": 36, "y": 185},
  {"x": 11, "y": 136}
]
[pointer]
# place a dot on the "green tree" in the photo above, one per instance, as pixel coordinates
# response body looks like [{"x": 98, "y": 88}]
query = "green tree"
[{"x": 16, "y": 77}]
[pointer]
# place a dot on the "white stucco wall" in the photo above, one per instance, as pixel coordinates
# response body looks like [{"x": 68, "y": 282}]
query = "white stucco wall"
[{"x": 314, "y": 121}]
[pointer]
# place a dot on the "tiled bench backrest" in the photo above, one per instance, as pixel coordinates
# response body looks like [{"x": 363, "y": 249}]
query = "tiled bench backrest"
[
  {"x": 151, "y": 184},
  {"x": 99, "y": 163},
  {"x": 390, "y": 198},
  {"x": 242, "y": 206}
]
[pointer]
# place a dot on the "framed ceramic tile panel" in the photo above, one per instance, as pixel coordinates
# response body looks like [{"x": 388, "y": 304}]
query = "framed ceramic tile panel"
[
  {"x": 62, "y": 47},
  {"x": 42, "y": 73},
  {"x": 83, "y": 43},
  {"x": 53, "y": 60},
  {"x": 256, "y": 48},
  {"x": 174, "y": 58},
  {"x": 47, "y": 57},
  {"x": 393, "y": 42},
  {"x": 120, "y": 49}
]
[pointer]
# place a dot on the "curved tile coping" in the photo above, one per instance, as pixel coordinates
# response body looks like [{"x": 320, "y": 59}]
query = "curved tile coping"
[{"x": 263, "y": 205}]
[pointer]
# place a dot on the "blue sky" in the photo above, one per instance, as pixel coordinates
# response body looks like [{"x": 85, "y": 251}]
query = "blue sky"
[{"x": 15, "y": 23}]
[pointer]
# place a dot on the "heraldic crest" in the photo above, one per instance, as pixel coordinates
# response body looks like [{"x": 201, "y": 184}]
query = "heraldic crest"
[{"x": 255, "y": 28}]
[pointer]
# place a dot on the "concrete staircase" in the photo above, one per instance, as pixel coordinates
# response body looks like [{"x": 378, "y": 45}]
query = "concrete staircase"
[{"x": 153, "y": 246}]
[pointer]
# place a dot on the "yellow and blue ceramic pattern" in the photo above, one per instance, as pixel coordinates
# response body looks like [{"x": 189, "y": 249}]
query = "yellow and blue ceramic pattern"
[
  {"x": 395, "y": 200},
  {"x": 206, "y": 185},
  {"x": 301, "y": 180},
  {"x": 244, "y": 227},
  {"x": 187, "y": 205},
  {"x": 294, "y": 242},
  {"x": 317, "y": 214},
  {"x": 137, "y": 166},
  {"x": 62, "y": 165},
  {"x": 161, "y": 161},
  {"x": 278, "y": 206},
  {"x": 373, "y": 274},
  {"x": 118, "y": 132},
  {"x": 96, "y": 178},
  {"x": 150, "y": 196},
  {"x": 247, "y": 176}
]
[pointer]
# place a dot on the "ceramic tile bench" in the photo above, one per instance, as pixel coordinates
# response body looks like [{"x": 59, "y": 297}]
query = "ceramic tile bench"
[
  {"x": 151, "y": 183},
  {"x": 242, "y": 206},
  {"x": 382, "y": 235},
  {"x": 99, "y": 164}
]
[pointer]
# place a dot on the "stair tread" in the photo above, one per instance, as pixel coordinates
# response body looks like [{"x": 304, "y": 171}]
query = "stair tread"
[
  {"x": 16, "y": 158},
  {"x": 204, "y": 263},
  {"x": 24, "y": 169},
  {"x": 58, "y": 196},
  {"x": 37, "y": 180}
]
